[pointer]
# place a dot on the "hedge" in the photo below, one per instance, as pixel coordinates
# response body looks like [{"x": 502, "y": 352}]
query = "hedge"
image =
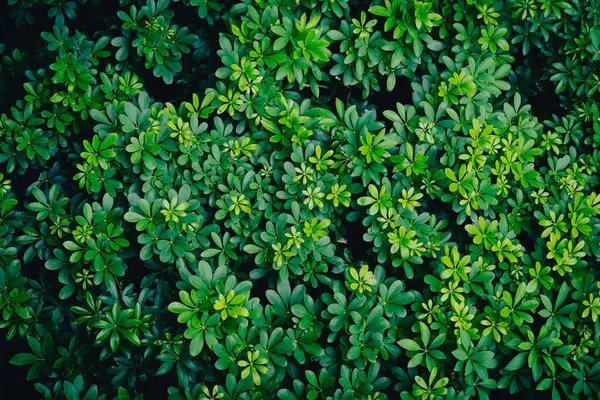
[{"x": 300, "y": 199}]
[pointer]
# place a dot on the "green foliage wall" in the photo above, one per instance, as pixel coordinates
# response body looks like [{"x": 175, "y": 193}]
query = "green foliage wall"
[{"x": 301, "y": 199}]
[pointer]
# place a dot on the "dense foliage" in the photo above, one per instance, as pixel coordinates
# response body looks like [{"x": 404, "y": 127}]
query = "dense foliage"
[{"x": 301, "y": 199}]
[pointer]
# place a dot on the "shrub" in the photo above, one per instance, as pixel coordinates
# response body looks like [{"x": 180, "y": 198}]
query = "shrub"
[{"x": 306, "y": 199}]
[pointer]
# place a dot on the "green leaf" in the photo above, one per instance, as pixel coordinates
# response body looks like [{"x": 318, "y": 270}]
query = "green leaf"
[
  {"x": 409, "y": 345},
  {"x": 517, "y": 362},
  {"x": 24, "y": 359}
]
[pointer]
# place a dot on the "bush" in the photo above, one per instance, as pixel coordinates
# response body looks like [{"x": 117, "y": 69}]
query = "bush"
[{"x": 335, "y": 199}]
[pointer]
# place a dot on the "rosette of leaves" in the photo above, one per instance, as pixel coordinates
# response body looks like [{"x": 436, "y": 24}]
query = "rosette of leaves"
[{"x": 149, "y": 36}]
